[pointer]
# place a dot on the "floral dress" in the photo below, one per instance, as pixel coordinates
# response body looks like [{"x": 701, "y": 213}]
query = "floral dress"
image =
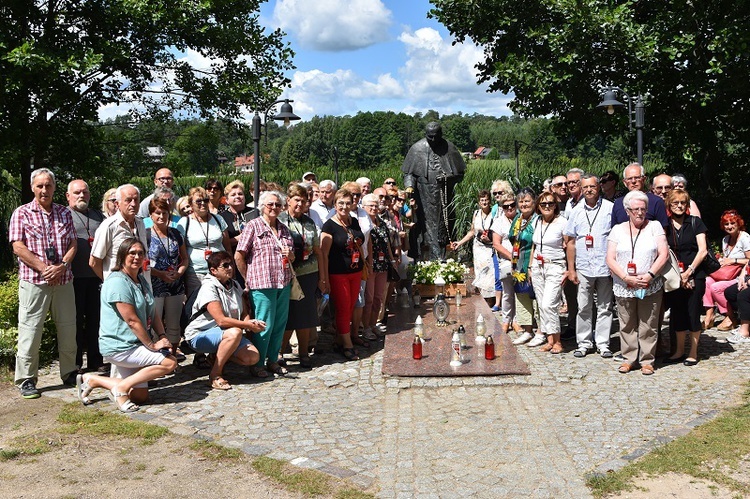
[
  {"x": 380, "y": 235},
  {"x": 520, "y": 235},
  {"x": 163, "y": 254}
]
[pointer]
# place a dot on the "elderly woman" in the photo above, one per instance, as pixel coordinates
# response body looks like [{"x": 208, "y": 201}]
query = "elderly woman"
[
  {"x": 738, "y": 298},
  {"x": 735, "y": 253},
  {"x": 219, "y": 317},
  {"x": 169, "y": 261},
  {"x": 265, "y": 256},
  {"x": 303, "y": 314},
  {"x": 499, "y": 189},
  {"x": 548, "y": 270},
  {"x": 502, "y": 257},
  {"x": 636, "y": 252},
  {"x": 215, "y": 195},
  {"x": 109, "y": 203},
  {"x": 204, "y": 233},
  {"x": 480, "y": 232},
  {"x": 341, "y": 246},
  {"x": 183, "y": 206},
  {"x": 686, "y": 236},
  {"x": 520, "y": 236},
  {"x": 127, "y": 314},
  {"x": 380, "y": 256},
  {"x": 236, "y": 213},
  {"x": 679, "y": 182}
]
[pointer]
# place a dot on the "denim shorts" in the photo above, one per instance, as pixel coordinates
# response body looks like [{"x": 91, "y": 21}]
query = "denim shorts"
[{"x": 208, "y": 341}]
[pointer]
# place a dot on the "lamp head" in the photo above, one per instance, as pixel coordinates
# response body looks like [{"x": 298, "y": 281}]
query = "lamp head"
[
  {"x": 286, "y": 114},
  {"x": 609, "y": 101}
]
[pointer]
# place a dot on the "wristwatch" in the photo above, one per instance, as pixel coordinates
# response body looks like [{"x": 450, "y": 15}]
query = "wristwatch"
[{"x": 65, "y": 264}]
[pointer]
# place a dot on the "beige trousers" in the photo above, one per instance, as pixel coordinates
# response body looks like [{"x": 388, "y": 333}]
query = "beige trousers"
[{"x": 639, "y": 321}]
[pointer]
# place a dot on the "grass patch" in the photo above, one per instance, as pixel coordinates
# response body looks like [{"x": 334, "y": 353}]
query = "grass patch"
[
  {"x": 79, "y": 419},
  {"x": 308, "y": 482},
  {"x": 26, "y": 446},
  {"x": 215, "y": 452},
  {"x": 713, "y": 451}
]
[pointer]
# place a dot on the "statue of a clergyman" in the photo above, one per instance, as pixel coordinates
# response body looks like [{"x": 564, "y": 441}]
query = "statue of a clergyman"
[{"x": 432, "y": 168}]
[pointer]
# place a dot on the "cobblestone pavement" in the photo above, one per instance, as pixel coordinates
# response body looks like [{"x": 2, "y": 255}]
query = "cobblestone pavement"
[{"x": 536, "y": 436}]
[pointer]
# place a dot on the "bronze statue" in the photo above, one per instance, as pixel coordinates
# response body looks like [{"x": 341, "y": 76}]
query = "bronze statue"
[{"x": 432, "y": 168}]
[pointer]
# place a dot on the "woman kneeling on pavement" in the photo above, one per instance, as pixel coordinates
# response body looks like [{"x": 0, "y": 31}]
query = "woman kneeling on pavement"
[
  {"x": 222, "y": 315},
  {"x": 127, "y": 315}
]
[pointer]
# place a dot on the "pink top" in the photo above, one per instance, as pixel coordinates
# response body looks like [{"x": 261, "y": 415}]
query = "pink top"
[{"x": 265, "y": 265}]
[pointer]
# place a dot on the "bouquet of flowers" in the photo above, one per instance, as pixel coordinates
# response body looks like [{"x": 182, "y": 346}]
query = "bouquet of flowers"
[{"x": 426, "y": 272}]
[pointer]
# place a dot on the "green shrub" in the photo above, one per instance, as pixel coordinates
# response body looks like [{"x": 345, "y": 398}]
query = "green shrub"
[{"x": 9, "y": 326}]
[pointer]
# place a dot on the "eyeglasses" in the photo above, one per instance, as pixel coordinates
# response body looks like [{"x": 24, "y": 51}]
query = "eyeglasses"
[
  {"x": 401, "y": 200},
  {"x": 497, "y": 193},
  {"x": 605, "y": 180},
  {"x": 637, "y": 210},
  {"x": 274, "y": 205},
  {"x": 164, "y": 179},
  {"x": 214, "y": 188},
  {"x": 663, "y": 188},
  {"x": 111, "y": 200},
  {"x": 678, "y": 203},
  {"x": 509, "y": 206},
  {"x": 390, "y": 182},
  {"x": 547, "y": 204},
  {"x": 138, "y": 253},
  {"x": 573, "y": 182},
  {"x": 558, "y": 184},
  {"x": 226, "y": 265},
  {"x": 201, "y": 201},
  {"x": 633, "y": 179}
]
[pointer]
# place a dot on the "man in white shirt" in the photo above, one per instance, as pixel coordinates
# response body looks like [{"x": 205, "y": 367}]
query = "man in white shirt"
[
  {"x": 320, "y": 208},
  {"x": 586, "y": 249}
]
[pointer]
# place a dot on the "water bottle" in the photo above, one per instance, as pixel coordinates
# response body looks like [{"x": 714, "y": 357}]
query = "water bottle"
[{"x": 323, "y": 303}]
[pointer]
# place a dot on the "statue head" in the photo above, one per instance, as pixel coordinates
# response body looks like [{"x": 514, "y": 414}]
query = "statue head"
[{"x": 433, "y": 131}]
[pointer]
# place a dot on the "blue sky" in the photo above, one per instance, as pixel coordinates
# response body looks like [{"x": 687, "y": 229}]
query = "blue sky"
[{"x": 369, "y": 55}]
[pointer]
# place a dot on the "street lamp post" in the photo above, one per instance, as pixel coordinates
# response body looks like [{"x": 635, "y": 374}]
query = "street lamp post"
[
  {"x": 636, "y": 117},
  {"x": 286, "y": 115}
]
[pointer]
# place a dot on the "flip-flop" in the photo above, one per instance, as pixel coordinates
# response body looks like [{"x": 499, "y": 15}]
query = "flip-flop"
[{"x": 220, "y": 383}]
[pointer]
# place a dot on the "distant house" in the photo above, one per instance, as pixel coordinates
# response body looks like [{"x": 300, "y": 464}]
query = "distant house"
[
  {"x": 155, "y": 154},
  {"x": 482, "y": 152},
  {"x": 244, "y": 164}
]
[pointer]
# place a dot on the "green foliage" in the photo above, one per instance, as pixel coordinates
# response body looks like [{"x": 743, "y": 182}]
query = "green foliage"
[
  {"x": 9, "y": 326},
  {"x": 692, "y": 64}
]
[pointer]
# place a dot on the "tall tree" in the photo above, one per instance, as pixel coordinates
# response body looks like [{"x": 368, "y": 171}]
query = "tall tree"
[
  {"x": 62, "y": 60},
  {"x": 691, "y": 59}
]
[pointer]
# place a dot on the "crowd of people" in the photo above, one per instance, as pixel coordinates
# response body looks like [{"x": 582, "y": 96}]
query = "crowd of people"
[
  {"x": 132, "y": 284},
  {"x": 135, "y": 283},
  {"x": 583, "y": 246}
]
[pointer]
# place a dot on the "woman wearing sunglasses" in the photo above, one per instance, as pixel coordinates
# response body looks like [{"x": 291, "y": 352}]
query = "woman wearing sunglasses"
[
  {"x": 520, "y": 236},
  {"x": 502, "y": 257},
  {"x": 204, "y": 233},
  {"x": 215, "y": 195},
  {"x": 549, "y": 270},
  {"x": 265, "y": 253},
  {"x": 342, "y": 262}
]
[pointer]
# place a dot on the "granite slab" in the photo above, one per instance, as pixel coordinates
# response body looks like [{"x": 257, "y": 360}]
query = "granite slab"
[{"x": 436, "y": 349}]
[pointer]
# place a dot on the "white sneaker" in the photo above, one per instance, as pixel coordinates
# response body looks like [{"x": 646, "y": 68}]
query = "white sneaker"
[
  {"x": 538, "y": 340},
  {"x": 737, "y": 338},
  {"x": 526, "y": 336}
]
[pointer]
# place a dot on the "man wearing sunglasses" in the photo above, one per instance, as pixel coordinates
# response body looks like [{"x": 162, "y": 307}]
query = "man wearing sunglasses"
[{"x": 559, "y": 187}]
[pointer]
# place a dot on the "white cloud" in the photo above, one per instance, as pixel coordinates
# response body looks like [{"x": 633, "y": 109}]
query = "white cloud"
[
  {"x": 438, "y": 75},
  {"x": 338, "y": 93},
  {"x": 334, "y": 25}
]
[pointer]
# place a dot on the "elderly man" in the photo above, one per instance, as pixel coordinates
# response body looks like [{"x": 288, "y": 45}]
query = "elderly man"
[
  {"x": 586, "y": 249},
  {"x": 320, "y": 208},
  {"x": 559, "y": 187},
  {"x": 115, "y": 229},
  {"x": 86, "y": 221},
  {"x": 44, "y": 240},
  {"x": 162, "y": 178},
  {"x": 634, "y": 178},
  {"x": 309, "y": 177},
  {"x": 165, "y": 194},
  {"x": 575, "y": 195},
  {"x": 662, "y": 184}
]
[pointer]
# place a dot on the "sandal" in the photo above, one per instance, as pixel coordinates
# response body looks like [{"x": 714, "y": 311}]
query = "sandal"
[
  {"x": 220, "y": 383},
  {"x": 128, "y": 405},
  {"x": 275, "y": 368},
  {"x": 359, "y": 341},
  {"x": 258, "y": 372},
  {"x": 305, "y": 362},
  {"x": 350, "y": 354},
  {"x": 201, "y": 362},
  {"x": 624, "y": 368},
  {"x": 546, "y": 348},
  {"x": 647, "y": 370},
  {"x": 83, "y": 389},
  {"x": 556, "y": 349},
  {"x": 370, "y": 335}
]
